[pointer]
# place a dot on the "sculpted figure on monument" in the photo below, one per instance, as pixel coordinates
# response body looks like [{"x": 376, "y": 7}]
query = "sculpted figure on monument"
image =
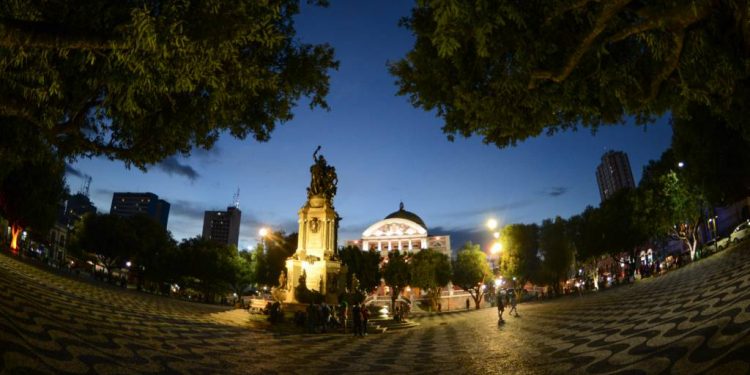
[{"x": 323, "y": 178}]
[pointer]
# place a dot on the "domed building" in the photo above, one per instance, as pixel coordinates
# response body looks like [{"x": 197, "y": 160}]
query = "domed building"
[{"x": 404, "y": 231}]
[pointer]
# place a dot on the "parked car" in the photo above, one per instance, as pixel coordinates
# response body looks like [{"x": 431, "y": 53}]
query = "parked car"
[
  {"x": 740, "y": 233},
  {"x": 713, "y": 246}
]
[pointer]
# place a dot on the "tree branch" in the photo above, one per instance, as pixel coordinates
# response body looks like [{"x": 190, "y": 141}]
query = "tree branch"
[
  {"x": 675, "y": 19},
  {"x": 678, "y": 38},
  {"x": 610, "y": 10},
  {"x": 15, "y": 33},
  {"x": 569, "y": 7}
]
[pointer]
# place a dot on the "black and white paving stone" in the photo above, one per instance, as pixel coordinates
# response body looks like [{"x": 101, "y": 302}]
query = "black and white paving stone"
[{"x": 692, "y": 320}]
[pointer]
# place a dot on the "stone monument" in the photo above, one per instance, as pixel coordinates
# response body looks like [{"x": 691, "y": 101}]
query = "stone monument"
[{"x": 318, "y": 234}]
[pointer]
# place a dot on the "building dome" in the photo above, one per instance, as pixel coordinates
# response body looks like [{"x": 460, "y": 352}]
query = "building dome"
[{"x": 403, "y": 214}]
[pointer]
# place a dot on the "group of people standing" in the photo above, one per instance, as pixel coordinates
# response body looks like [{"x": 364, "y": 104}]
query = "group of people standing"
[
  {"x": 319, "y": 318},
  {"x": 505, "y": 298}
]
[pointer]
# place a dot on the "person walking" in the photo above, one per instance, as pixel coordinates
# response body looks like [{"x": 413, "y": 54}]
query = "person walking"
[
  {"x": 467, "y": 304},
  {"x": 343, "y": 314},
  {"x": 500, "y": 307},
  {"x": 365, "y": 317},
  {"x": 513, "y": 300},
  {"x": 357, "y": 319}
]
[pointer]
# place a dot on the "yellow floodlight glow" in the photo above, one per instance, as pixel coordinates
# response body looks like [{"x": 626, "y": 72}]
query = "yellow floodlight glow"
[
  {"x": 496, "y": 248},
  {"x": 492, "y": 224}
]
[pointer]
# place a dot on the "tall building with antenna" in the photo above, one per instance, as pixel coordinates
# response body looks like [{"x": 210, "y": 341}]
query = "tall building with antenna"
[{"x": 224, "y": 226}]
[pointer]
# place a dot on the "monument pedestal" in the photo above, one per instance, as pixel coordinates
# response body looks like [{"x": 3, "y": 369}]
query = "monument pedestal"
[{"x": 316, "y": 244}]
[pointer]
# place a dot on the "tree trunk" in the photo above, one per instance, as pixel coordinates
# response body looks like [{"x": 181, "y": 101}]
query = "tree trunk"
[
  {"x": 15, "y": 230},
  {"x": 477, "y": 298}
]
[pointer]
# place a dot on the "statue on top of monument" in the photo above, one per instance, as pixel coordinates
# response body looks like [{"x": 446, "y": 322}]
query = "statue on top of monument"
[{"x": 323, "y": 179}]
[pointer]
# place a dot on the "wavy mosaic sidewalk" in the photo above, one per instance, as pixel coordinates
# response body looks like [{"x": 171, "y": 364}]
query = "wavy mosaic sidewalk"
[{"x": 693, "y": 320}]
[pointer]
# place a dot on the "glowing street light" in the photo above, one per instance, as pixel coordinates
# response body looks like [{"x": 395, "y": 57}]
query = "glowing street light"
[
  {"x": 263, "y": 232},
  {"x": 496, "y": 248},
  {"x": 492, "y": 224},
  {"x": 681, "y": 164},
  {"x": 128, "y": 264},
  {"x": 496, "y": 235}
]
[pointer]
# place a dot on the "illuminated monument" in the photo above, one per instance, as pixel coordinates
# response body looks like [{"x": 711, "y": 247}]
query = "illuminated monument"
[{"x": 314, "y": 261}]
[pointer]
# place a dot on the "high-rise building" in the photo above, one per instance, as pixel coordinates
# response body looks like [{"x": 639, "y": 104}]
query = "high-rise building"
[
  {"x": 149, "y": 204},
  {"x": 614, "y": 174},
  {"x": 223, "y": 226}
]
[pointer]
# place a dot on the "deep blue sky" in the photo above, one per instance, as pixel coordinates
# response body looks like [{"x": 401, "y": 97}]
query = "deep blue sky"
[{"x": 384, "y": 150}]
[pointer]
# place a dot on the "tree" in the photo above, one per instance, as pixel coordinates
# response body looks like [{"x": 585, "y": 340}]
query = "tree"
[
  {"x": 271, "y": 256},
  {"x": 108, "y": 238},
  {"x": 151, "y": 249},
  {"x": 557, "y": 249},
  {"x": 510, "y": 70},
  {"x": 141, "y": 80},
  {"x": 206, "y": 266},
  {"x": 30, "y": 193},
  {"x": 715, "y": 155},
  {"x": 675, "y": 207},
  {"x": 365, "y": 265},
  {"x": 588, "y": 236},
  {"x": 520, "y": 244},
  {"x": 430, "y": 271},
  {"x": 397, "y": 274},
  {"x": 471, "y": 271}
]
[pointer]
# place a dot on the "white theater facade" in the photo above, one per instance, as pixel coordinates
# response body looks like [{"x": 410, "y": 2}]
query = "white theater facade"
[{"x": 403, "y": 231}]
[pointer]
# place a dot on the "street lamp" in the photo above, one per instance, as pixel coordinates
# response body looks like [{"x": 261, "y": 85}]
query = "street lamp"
[
  {"x": 492, "y": 224},
  {"x": 496, "y": 248},
  {"x": 263, "y": 232}
]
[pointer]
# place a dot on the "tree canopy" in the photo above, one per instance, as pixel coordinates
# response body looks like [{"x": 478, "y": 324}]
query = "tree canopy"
[
  {"x": 30, "y": 194},
  {"x": 557, "y": 248},
  {"x": 397, "y": 274},
  {"x": 519, "y": 251},
  {"x": 471, "y": 271},
  {"x": 364, "y": 265},
  {"x": 141, "y": 80},
  {"x": 715, "y": 155},
  {"x": 430, "y": 271},
  {"x": 510, "y": 70}
]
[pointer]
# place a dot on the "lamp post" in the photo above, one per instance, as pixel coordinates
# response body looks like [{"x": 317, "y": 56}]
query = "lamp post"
[
  {"x": 496, "y": 246},
  {"x": 263, "y": 232}
]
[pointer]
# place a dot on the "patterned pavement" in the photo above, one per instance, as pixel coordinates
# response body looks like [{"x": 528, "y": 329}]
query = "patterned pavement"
[{"x": 692, "y": 320}]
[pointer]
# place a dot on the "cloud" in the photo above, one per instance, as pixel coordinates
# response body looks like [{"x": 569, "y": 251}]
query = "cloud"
[
  {"x": 172, "y": 166},
  {"x": 498, "y": 208},
  {"x": 459, "y": 236},
  {"x": 186, "y": 208},
  {"x": 555, "y": 191},
  {"x": 72, "y": 171}
]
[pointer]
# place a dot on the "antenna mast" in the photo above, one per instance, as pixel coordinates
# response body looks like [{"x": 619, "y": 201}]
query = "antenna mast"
[{"x": 236, "y": 199}]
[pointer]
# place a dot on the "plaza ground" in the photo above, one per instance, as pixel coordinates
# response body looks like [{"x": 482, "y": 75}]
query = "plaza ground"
[{"x": 695, "y": 319}]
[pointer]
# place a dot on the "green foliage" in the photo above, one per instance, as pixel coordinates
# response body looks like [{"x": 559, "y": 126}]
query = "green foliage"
[
  {"x": 558, "y": 251},
  {"x": 108, "y": 238},
  {"x": 397, "y": 273},
  {"x": 520, "y": 244},
  {"x": 271, "y": 260},
  {"x": 675, "y": 206},
  {"x": 206, "y": 266},
  {"x": 364, "y": 264},
  {"x": 471, "y": 270},
  {"x": 510, "y": 70},
  {"x": 715, "y": 155},
  {"x": 31, "y": 191},
  {"x": 430, "y": 271},
  {"x": 142, "y": 80}
]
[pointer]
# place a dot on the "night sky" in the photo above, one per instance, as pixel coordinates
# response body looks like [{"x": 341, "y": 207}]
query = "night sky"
[{"x": 384, "y": 150}]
